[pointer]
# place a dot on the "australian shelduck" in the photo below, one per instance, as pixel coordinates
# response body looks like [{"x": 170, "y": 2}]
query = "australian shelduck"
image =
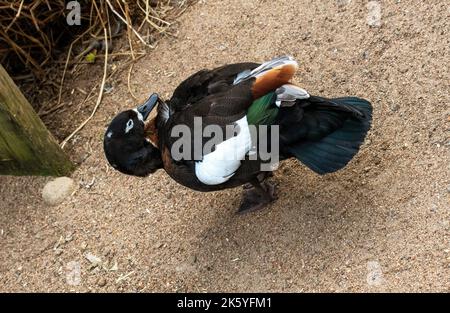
[{"x": 232, "y": 125}]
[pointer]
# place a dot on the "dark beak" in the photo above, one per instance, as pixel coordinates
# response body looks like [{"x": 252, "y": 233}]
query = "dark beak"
[{"x": 148, "y": 106}]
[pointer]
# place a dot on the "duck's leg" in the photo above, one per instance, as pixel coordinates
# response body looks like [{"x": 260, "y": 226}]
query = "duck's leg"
[{"x": 257, "y": 195}]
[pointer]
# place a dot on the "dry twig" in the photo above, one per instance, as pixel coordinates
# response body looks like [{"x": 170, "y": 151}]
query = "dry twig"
[{"x": 100, "y": 95}]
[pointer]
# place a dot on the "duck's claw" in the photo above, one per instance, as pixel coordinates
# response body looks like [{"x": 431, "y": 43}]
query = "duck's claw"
[{"x": 257, "y": 197}]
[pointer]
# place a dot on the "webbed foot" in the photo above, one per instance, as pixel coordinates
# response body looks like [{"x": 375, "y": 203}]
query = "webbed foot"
[{"x": 257, "y": 196}]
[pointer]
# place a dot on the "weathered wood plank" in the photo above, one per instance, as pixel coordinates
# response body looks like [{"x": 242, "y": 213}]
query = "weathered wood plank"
[{"x": 26, "y": 146}]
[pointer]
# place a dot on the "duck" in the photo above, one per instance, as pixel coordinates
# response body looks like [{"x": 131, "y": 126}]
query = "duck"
[{"x": 232, "y": 126}]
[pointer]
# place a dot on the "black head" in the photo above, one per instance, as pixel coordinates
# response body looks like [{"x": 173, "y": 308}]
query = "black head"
[{"x": 125, "y": 145}]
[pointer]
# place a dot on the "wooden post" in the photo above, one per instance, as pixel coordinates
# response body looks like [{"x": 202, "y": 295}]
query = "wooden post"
[{"x": 26, "y": 146}]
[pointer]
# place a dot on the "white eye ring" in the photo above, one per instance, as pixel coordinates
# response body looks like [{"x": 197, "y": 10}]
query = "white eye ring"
[{"x": 130, "y": 125}]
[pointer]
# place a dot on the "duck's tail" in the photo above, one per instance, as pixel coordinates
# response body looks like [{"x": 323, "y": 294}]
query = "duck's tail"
[{"x": 330, "y": 131}]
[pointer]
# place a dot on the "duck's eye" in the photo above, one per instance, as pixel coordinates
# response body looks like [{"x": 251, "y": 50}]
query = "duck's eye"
[{"x": 130, "y": 125}]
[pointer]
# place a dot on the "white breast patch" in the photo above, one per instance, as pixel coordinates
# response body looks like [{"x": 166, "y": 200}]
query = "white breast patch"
[{"x": 220, "y": 165}]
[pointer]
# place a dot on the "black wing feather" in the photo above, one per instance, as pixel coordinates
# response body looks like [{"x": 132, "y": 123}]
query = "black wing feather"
[
  {"x": 324, "y": 134},
  {"x": 205, "y": 83}
]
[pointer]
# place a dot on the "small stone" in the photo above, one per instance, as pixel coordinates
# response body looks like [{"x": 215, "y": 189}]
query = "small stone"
[
  {"x": 448, "y": 188},
  {"x": 393, "y": 106},
  {"x": 108, "y": 251},
  {"x": 58, "y": 251},
  {"x": 193, "y": 259},
  {"x": 342, "y": 3},
  {"x": 95, "y": 260},
  {"x": 69, "y": 237},
  {"x": 57, "y": 190},
  {"x": 101, "y": 282},
  {"x": 115, "y": 267},
  {"x": 108, "y": 88},
  {"x": 83, "y": 245},
  {"x": 88, "y": 185}
]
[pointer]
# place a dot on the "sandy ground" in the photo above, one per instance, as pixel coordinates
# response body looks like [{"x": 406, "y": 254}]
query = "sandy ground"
[{"x": 381, "y": 224}]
